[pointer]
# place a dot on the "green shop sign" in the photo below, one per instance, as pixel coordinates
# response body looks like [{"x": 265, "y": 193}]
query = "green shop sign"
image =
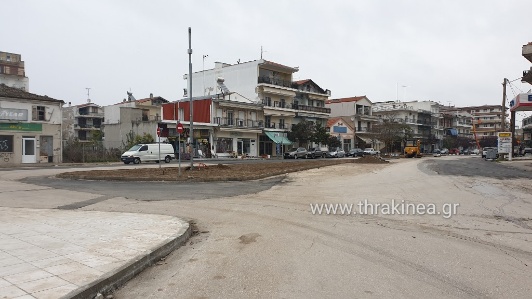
[{"x": 26, "y": 127}]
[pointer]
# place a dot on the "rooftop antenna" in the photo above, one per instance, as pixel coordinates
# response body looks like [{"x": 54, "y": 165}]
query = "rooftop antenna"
[
  {"x": 88, "y": 94},
  {"x": 261, "y": 51}
]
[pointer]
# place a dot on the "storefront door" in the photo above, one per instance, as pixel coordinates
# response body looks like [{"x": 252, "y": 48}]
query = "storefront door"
[{"x": 28, "y": 150}]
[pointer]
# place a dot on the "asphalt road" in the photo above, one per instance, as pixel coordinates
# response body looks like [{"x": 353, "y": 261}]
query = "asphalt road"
[{"x": 261, "y": 240}]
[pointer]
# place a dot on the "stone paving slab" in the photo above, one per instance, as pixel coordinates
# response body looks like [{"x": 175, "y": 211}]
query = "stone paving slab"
[{"x": 47, "y": 253}]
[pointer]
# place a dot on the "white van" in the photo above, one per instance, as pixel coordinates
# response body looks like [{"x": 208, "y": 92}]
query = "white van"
[{"x": 148, "y": 152}]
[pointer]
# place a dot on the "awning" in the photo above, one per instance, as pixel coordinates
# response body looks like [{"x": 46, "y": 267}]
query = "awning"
[
  {"x": 366, "y": 140},
  {"x": 275, "y": 137}
]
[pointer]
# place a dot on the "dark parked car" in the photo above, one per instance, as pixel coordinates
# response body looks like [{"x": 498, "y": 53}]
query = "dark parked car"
[
  {"x": 296, "y": 152},
  {"x": 315, "y": 152},
  {"x": 356, "y": 152}
]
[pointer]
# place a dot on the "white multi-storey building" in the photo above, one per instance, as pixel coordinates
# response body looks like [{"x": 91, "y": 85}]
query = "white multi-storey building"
[{"x": 270, "y": 84}]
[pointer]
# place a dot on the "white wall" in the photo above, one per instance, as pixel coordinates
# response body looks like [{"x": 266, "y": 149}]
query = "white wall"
[
  {"x": 241, "y": 78},
  {"x": 53, "y": 110},
  {"x": 16, "y": 81}
]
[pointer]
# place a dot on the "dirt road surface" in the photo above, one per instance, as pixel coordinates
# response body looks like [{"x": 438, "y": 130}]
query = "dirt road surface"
[{"x": 269, "y": 244}]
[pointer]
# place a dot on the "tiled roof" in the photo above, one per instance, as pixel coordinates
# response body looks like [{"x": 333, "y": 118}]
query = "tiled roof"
[
  {"x": 332, "y": 121},
  {"x": 347, "y": 122},
  {"x": 280, "y": 65},
  {"x": 344, "y": 100},
  {"x": 11, "y": 92},
  {"x": 301, "y": 82}
]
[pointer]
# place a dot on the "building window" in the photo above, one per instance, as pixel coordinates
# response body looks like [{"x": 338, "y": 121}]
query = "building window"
[
  {"x": 224, "y": 145},
  {"x": 181, "y": 114},
  {"x": 6, "y": 143},
  {"x": 267, "y": 101},
  {"x": 38, "y": 113},
  {"x": 281, "y": 123}
]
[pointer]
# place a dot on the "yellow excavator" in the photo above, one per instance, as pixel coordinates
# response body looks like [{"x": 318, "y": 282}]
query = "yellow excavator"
[{"x": 413, "y": 148}]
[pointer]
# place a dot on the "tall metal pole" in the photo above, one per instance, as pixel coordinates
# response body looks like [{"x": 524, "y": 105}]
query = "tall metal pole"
[
  {"x": 503, "y": 105},
  {"x": 203, "y": 71},
  {"x": 191, "y": 134}
]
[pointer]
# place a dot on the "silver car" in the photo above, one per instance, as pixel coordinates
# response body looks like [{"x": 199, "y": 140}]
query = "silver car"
[{"x": 336, "y": 153}]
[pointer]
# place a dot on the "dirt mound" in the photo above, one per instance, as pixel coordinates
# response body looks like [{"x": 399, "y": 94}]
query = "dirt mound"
[
  {"x": 371, "y": 160},
  {"x": 221, "y": 166}
]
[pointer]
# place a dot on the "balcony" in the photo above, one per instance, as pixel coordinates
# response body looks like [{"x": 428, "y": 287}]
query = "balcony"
[
  {"x": 424, "y": 123},
  {"x": 276, "y": 104},
  {"x": 88, "y": 126},
  {"x": 312, "y": 109},
  {"x": 90, "y": 114},
  {"x": 527, "y": 76},
  {"x": 527, "y": 51},
  {"x": 363, "y": 129},
  {"x": 275, "y": 81},
  {"x": 284, "y": 126},
  {"x": 269, "y": 126},
  {"x": 237, "y": 123}
]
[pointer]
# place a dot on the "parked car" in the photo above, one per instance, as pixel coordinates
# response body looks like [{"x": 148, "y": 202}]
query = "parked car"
[
  {"x": 454, "y": 151},
  {"x": 148, "y": 152},
  {"x": 295, "y": 153},
  {"x": 355, "y": 152},
  {"x": 336, "y": 153},
  {"x": 315, "y": 152},
  {"x": 436, "y": 153},
  {"x": 371, "y": 151},
  {"x": 527, "y": 150},
  {"x": 486, "y": 149},
  {"x": 444, "y": 151}
]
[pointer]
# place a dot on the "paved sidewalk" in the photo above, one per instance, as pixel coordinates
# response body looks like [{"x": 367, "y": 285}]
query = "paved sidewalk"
[{"x": 55, "y": 253}]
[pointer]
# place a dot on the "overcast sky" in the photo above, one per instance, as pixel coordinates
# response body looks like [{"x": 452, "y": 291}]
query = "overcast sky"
[{"x": 454, "y": 51}]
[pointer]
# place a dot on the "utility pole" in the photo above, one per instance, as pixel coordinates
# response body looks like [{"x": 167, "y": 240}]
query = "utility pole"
[
  {"x": 503, "y": 105},
  {"x": 191, "y": 134}
]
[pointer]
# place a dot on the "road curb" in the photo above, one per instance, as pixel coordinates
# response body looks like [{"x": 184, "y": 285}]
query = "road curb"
[{"x": 114, "y": 279}]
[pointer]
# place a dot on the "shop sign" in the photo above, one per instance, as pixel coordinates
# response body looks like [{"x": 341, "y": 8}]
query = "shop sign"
[
  {"x": 25, "y": 127},
  {"x": 13, "y": 114}
]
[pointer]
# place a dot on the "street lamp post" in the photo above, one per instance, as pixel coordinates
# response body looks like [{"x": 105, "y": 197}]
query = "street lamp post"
[
  {"x": 191, "y": 134},
  {"x": 203, "y": 71}
]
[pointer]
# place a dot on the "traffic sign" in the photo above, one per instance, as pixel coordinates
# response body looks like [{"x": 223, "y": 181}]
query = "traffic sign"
[
  {"x": 158, "y": 132},
  {"x": 179, "y": 128}
]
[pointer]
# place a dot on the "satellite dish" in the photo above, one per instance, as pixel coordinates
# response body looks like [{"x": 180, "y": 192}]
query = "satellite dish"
[{"x": 352, "y": 118}]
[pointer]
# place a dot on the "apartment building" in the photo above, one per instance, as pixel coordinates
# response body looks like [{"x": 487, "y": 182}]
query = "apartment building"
[
  {"x": 486, "y": 119},
  {"x": 456, "y": 122},
  {"x": 82, "y": 122},
  {"x": 30, "y": 127},
  {"x": 12, "y": 71},
  {"x": 284, "y": 102},
  {"x": 358, "y": 110},
  {"x": 225, "y": 125},
  {"x": 419, "y": 116},
  {"x": 131, "y": 117}
]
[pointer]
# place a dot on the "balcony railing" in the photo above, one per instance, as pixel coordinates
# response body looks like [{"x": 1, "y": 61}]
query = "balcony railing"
[
  {"x": 90, "y": 114},
  {"x": 238, "y": 122},
  {"x": 275, "y": 81},
  {"x": 363, "y": 129},
  {"x": 277, "y": 104},
  {"x": 424, "y": 123},
  {"x": 312, "y": 108},
  {"x": 269, "y": 126},
  {"x": 284, "y": 126},
  {"x": 88, "y": 126}
]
